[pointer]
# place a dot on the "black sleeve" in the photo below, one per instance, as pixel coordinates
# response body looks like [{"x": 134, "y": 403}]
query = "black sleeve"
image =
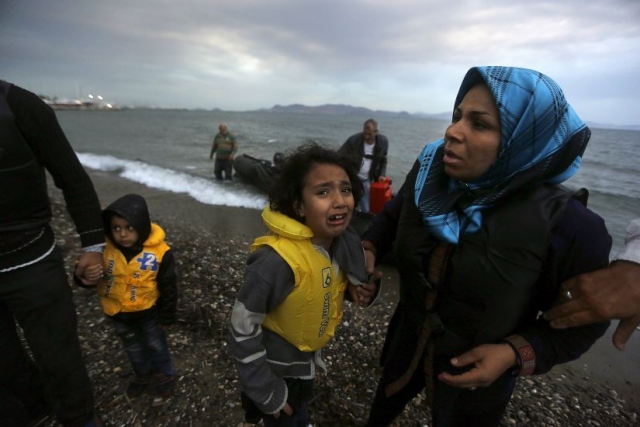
[
  {"x": 349, "y": 151},
  {"x": 580, "y": 244},
  {"x": 382, "y": 230},
  {"x": 345, "y": 149},
  {"x": 40, "y": 128},
  {"x": 168, "y": 288}
]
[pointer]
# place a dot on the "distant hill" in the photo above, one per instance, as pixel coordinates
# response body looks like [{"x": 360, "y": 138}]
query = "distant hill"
[
  {"x": 349, "y": 110},
  {"x": 594, "y": 125},
  {"x": 340, "y": 109},
  {"x": 439, "y": 116}
]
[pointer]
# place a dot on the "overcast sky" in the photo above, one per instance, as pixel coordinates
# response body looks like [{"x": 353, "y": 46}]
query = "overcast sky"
[{"x": 400, "y": 55}]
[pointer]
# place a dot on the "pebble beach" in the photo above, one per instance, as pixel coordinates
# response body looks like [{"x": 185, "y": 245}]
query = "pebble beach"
[{"x": 211, "y": 244}]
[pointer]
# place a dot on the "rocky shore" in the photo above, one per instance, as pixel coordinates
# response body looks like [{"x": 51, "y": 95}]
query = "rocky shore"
[{"x": 211, "y": 266}]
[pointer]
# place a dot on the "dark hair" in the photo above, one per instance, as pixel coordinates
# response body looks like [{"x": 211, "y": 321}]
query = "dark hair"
[
  {"x": 372, "y": 122},
  {"x": 286, "y": 191}
]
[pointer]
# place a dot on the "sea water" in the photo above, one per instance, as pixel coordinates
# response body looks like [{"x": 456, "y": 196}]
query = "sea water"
[{"x": 169, "y": 150}]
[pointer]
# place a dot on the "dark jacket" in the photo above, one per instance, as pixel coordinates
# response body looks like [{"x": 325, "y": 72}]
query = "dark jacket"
[
  {"x": 133, "y": 208},
  {"x": 578, "y": 242},
  {"x": 353, "y": 148},
  {"x": 31, "y": 141}
]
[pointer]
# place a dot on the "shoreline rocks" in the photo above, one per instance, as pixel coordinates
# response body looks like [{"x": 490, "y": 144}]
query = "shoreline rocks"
[{"x": 207, "y": 392}]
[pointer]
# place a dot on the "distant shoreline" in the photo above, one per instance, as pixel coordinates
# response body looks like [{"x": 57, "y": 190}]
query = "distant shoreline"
[{"x": 325, "y": 109}]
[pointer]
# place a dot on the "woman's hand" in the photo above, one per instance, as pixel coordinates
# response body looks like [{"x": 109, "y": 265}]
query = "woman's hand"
[
  {"x": 490, "y": 362},
  {"x": 363, "y": 294}
]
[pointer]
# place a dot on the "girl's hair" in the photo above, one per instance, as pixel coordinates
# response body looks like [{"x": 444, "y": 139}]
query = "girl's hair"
[{"x": 286, "y": 191}]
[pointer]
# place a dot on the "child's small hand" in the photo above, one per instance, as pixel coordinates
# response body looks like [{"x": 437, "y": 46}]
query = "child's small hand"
[
  {"x": 287, "y": 410},
  {"x": 363, "y": 294},
  {"x": 91, "y": 274}
]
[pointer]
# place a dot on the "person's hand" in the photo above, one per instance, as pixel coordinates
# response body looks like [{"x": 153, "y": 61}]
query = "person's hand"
[
  {"x": 610, "y": 293},
  {"x": 382, "y": 178},
  {"x": 89, "y": 265},
  {"x": 363, "y": 294},
  {"x": 92, "y": 273},
  {"x": 490, "y": 362},
  {"x": 287, "y": 410}
]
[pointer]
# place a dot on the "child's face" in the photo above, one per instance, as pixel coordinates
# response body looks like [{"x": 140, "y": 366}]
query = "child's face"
[
  {"x": 327, "y": 203},
  {"x": 122, "y": 232}
]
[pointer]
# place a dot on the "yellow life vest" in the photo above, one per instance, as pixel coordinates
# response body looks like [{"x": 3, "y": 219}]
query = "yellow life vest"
[
  {"x": 308, "y": 317},
  {"x": 132, "y": 286}
]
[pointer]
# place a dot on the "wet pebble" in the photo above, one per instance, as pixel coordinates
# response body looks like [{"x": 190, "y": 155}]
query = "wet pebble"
[{"x": 207, "y": 392}]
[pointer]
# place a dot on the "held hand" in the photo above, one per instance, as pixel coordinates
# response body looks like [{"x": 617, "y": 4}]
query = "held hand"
[
  {"x": 91, "y": 261},
  {"x": 363, "y": 294},
  {"x": 610, "y": 293},
  {"x": 489, "y": 360},
  {"x": 287, "y": 410},
  {"x": 358, "y": 295},
  {"x": 93, "y": 272}
]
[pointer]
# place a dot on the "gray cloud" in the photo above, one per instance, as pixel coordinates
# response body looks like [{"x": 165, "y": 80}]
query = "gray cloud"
[{"x": 240, "y": 54}]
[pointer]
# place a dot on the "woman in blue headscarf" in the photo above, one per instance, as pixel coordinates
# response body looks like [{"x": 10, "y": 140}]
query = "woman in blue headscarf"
[{"x": 483, "y": 237}]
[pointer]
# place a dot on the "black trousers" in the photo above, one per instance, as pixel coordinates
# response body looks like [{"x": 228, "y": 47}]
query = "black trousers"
[
  {"x": 452, "y": 406},
  {"x": 39, "y": 298}
]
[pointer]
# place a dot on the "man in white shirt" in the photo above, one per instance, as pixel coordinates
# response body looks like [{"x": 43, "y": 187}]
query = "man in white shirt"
[{"x": 368, "y": 152}]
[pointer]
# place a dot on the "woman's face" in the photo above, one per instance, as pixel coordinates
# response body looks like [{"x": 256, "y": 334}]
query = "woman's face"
[{"x": 472, "y": 140}]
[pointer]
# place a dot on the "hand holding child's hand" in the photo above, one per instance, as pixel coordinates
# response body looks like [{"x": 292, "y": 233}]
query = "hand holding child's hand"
[
  {"x": 89, "y": 268},
  {"x": 91, "y": 274},
  {"x": 363, "y": 294}
]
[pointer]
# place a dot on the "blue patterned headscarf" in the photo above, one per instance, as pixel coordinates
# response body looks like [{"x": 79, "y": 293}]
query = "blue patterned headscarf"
[{"x": 542, "y": 141}]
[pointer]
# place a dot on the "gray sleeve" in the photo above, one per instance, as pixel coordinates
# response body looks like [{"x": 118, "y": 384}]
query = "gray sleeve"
[{"x": 268, "y": 281}]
